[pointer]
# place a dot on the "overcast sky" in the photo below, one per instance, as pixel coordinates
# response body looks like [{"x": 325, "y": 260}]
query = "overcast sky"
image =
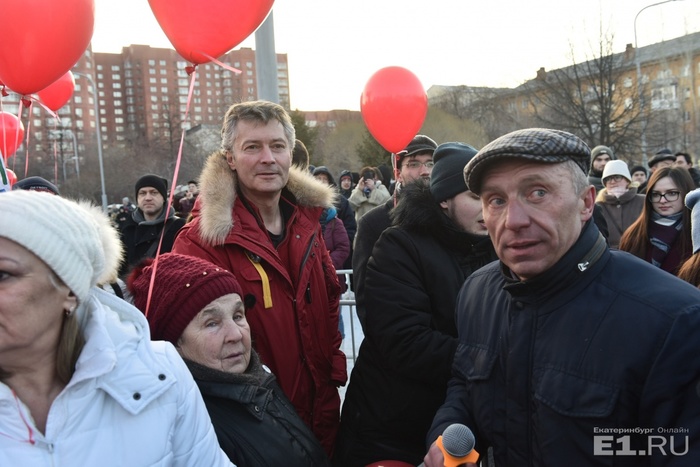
[{"x": 334, "y": 46}]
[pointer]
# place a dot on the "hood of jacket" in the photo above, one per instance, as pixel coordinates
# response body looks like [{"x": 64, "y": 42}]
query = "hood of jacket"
[
  {"x": 218, "y": 190},
  {"x": 418, "y": 212}
]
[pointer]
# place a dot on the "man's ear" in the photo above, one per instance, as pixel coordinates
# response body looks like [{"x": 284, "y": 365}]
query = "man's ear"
[
  {"x": 230, "y": 160},
  {"x": 588, "y": 198}
]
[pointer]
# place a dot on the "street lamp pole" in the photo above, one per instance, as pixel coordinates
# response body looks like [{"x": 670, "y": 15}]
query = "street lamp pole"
[
  {"x": 99, "y": 136},
  {"x": 639, "y": 84}
]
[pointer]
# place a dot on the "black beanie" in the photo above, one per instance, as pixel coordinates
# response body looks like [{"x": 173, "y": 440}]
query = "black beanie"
[
  {"x": 159, "y": 183},
  {"x": 446, "y": 178}
]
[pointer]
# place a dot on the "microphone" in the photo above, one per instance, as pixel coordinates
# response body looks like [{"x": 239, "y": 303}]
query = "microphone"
[{"x": 457, "y": 445}]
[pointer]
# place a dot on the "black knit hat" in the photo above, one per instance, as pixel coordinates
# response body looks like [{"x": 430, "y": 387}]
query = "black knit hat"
[
  {"x": 419, "y": 144},
  {"x": 154, "y": 181},
  {"x": 446, "y": 178}
]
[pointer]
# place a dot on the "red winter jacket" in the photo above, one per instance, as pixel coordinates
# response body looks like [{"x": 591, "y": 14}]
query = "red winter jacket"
[{"x": 291, "y": 293}]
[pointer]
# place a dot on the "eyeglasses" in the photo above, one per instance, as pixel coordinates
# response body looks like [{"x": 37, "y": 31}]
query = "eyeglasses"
[
  {"x": 614, "y": 178},
  {"x": 418, "y": 164},
  {"x": 670, "y": 196}
]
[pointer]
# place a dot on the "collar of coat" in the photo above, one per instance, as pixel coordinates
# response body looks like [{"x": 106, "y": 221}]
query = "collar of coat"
[{"x": 218, "y": 191}]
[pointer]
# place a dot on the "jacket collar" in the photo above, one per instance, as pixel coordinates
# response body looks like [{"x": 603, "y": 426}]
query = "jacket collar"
[
  {"x": 219, "y": 190},
  {"x": 418, "y": 212},
  {"x": 117, "y": 353},
  {"x": 573, "y": 271}
]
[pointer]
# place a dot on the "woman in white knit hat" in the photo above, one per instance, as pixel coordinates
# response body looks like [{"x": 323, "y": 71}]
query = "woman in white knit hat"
[
  {"x": 619, "y": 202},
  {"x": 80, "y": 381}
]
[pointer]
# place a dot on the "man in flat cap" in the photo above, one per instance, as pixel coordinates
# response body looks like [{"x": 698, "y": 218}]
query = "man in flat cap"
[{"x": 567, "y": 349}]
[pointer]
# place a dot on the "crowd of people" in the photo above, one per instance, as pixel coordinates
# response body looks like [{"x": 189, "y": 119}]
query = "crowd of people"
[{"x": 543, "y": 294}]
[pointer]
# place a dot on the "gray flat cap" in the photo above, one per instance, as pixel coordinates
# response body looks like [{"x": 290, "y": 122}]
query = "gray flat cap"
[{"x": 536, "y": 144}]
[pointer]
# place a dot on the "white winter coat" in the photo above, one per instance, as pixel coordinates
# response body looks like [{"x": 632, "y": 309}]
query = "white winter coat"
[{"x": 131, "y": 402}]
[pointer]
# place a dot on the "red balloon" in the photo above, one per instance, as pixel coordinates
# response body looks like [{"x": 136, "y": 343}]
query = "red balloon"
[
  {"x": 211, "y": 27},
  {"x": 42, "y": 39},
  {"x": 11, "y": 134},
  {"x": 59, "y": 92},
  {"x": 11, "y": 176},
  {"x": 393, "y": 106}
]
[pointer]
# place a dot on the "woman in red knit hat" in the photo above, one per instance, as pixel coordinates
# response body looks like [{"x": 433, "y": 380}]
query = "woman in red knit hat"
[{"x": 198, "y": 307}]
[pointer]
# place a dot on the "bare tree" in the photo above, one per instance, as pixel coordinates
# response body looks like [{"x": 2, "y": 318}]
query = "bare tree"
[{"x": 594, "y": 99}]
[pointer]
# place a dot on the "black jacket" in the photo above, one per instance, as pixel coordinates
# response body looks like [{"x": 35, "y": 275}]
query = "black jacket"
[
  {"x": 600, "y": 342},
  {"x": 400, "y": 377},
  {"x": 369, "y": 228},
  {"x": 255, "y": 423},
  {"x": 140, "y": 237}
]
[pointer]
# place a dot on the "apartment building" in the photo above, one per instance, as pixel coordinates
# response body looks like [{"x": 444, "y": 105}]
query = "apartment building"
[
  {"x": 142, "y": 94},
  {"x": 664, "y": 76}
]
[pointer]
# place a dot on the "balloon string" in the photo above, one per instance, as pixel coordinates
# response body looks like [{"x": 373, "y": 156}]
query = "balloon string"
[
  {"x": 173, "y": 185},
  {"x": 26, "y": 147},
  {"x": 222, "y": 65}
]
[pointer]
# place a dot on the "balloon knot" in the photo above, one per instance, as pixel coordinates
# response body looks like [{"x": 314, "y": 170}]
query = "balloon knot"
[
  {"x": 4, "y": 92},
  {"x": 190, "y": 69},
  {"x": 27, "y": 102}
]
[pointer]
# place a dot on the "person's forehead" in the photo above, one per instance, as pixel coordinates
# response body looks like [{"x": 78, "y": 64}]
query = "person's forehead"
[
  {"x": 256, "y": 129},
  {"x": 524, "y": 168},
  {"x": 147, "y": 188},
  {"x": 602, "y": 156}
]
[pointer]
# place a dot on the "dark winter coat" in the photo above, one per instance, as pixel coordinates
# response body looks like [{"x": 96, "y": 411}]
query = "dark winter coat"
[
  {"x": 336, "y": 237},
  {"x": 291, "y": 291},
  {"x": 602, "y": 341},
  {"x": 619, "y": 213},
  {"x": 255, "y": 423},
  {"x": 369, "y": 229},
  {"x": 400, "y": 377},
  {"x": 140, "y": 237}
]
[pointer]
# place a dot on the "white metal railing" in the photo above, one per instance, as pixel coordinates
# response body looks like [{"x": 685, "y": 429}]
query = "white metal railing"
[{"x": 348, "y": 299}]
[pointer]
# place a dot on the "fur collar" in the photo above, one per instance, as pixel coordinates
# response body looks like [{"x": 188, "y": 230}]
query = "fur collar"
[{"x": 218, "y": 191}]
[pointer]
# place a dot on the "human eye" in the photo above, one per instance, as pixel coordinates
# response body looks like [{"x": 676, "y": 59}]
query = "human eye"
[
  {"x": 538, "y": 193},
  {"x": 412, "y": 164},
  {"x": 278, "y": 147},
  {"x": 211, "y": 323},
  {"x": 495, "y": 201}
]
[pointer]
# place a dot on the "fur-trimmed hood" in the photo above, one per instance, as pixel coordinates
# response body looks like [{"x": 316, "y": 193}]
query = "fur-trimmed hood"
[{"x": 218, "y": 190}]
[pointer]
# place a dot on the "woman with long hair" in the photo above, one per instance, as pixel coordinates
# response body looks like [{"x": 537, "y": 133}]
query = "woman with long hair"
[{"x": 661, "y": 234}]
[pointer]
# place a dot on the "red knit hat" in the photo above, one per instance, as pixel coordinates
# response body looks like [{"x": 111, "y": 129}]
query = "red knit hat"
[{"x": 184, "y": 285}]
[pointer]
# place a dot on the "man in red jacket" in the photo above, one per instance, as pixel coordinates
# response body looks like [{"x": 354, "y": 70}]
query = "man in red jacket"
[{"x": 258, "y": 217}]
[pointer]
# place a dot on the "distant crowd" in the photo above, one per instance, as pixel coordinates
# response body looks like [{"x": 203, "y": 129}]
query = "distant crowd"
[{"x": 539, "y": 298}]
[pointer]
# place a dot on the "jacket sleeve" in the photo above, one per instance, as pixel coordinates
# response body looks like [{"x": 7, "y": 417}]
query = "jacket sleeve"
[
  {"x": 671, "y": 397},
  {"x": 194, "y": 440},
  {"x": 339, "y": 373},
  {"x": 340, "y": 248},
  {"x": 357, "y": 197},
  {"x": 399, "y": 311}
]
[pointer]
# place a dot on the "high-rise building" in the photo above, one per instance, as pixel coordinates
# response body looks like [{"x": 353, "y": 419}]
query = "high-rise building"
[{"x": 142, "y": 94}]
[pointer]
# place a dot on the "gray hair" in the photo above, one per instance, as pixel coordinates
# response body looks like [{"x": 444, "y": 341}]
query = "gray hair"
[
  {"x": 579, "y": 179},
  {"x": 255, "y": 111}
]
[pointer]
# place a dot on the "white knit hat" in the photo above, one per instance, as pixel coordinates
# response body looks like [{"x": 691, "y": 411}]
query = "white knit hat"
[
  {"x": 616, "y": 167},
  {"x": 75, "y": 239}
]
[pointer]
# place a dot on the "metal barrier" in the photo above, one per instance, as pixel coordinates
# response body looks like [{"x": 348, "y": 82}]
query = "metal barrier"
[{"x": 348, "y": 299}]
